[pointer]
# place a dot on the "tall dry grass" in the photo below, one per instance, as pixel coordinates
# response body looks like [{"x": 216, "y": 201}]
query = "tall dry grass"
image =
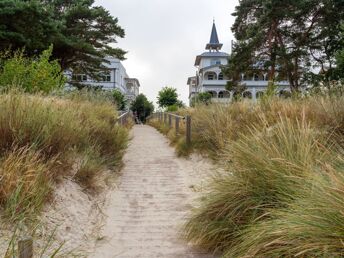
[
  {"x": 281, "y": 194},
  {"x": 40, "y": 140}
]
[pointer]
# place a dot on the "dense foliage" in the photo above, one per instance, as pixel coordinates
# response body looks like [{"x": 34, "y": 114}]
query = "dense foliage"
[
  {"x": 201, "y": 98},
  {"x": 291, "y": 40},
  {"x": 80, "y": 32},
  {"x": 167, "y": 96},
  {"x": 31, "y": 74},
  {"x": 141, "y": 107},
  {"x": 119, "y": 99}
]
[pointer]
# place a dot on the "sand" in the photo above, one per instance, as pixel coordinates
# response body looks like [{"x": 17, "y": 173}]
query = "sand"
[
  {"x": 139, "y": 215},
  {"x": 145, "y": 215}
]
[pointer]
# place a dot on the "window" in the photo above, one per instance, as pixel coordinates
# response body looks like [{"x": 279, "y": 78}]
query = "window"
[
  {"x": 79, "y": 77},
  {"x": 215, "y": 62},
  {"x": 106, "y": 77},
  {"x": 221, "y": 76},
  {"x": 210, "y": 77}
]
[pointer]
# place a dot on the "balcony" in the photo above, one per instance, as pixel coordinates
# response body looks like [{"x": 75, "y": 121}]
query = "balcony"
[
  {"x": 251, "y": 83},
  {"x": 214, "y": 82}
]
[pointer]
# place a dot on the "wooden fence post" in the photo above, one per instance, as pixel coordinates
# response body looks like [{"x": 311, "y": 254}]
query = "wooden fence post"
[
  {"x": 169, "y": 120},
  {"x": 25, "y": 248},
  {"x": 177, "y": 125},
  {"x": 165, "y": 118},
  {"x": 188, "y": 130}
]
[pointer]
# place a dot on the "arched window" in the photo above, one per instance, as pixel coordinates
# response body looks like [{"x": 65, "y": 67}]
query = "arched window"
[
  {"x": 213, "y": 94},
  {"x": 210, "y": 76},
  {"x": 247, "y": 95},
  {"x": 259, "y": 94},
  {"x": 221, "y": 76},
  {"x": 224, "y": 94}
]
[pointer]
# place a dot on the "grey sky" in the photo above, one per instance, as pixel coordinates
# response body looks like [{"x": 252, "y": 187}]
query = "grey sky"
[{"x": 163, "y": 38}]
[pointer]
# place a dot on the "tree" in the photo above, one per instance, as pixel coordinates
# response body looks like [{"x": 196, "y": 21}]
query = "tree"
[
  {"x": 80, "y": 32},
  {"x": 142, "y": 107},
  {"x": 285, "y": 36},
  {"x": 167, "y": 97},
  {"x": 119, "y": 99},
  {"x": 339, "y": 70},
  {"x": 26, "y": 24}
]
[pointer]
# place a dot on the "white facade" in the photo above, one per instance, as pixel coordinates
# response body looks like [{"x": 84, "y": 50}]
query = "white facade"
[
  {"x": 114, "y": 77},
  {"x": 133, "y": 88},
  {"x": 209, "y": 76}
]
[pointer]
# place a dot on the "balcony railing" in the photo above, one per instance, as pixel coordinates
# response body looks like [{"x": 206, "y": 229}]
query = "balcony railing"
[{"x": 214, "y": 82}]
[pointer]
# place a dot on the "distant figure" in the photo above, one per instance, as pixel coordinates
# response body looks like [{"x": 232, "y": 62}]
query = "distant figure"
[{"x": 137, "y": 121}]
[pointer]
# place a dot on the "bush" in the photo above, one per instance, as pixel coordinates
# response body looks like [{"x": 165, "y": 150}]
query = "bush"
[
  {"x": 201, "y": 98},
  {"x": 119, "y": 99},
  {"x": 32, "y": 74}
]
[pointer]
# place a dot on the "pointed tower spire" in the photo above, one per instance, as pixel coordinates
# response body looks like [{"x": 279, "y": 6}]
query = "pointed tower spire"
[{"x": 214, "y": 43}]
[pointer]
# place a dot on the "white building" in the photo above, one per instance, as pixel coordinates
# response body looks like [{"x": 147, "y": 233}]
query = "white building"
[
  {"x": 209, "y": 76},
  {"x": 114, "y": 77}
]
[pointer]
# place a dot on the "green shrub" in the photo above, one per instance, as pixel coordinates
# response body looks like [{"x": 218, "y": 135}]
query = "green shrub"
[
  {"x": 32, "y": 74},
  {"x": 119, "y": 99}
]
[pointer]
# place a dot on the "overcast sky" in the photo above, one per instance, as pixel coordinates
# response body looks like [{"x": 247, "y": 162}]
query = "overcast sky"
[{"x": 163, "y": 38}]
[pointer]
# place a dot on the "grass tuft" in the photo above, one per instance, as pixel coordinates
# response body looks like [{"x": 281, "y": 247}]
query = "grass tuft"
[
  {"x": 281, "y": 193},
  {"x": 41, "y": 137}
]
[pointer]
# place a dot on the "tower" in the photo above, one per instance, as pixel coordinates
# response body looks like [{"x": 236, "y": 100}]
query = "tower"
[{"x": 214, "y": 44}]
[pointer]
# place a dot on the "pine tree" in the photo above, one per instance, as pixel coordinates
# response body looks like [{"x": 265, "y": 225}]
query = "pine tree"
[
  {"x": 288, "y": 36},
  {"x": 80, "y": 32}
]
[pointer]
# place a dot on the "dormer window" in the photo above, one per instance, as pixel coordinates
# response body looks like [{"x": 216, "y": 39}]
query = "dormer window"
[
  {"x": 210, "y": 77},
  {"x": 221, "y": 76}
]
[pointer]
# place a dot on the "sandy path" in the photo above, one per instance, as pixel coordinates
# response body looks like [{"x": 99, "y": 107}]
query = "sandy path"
[{"x": 145, "y": 213}]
